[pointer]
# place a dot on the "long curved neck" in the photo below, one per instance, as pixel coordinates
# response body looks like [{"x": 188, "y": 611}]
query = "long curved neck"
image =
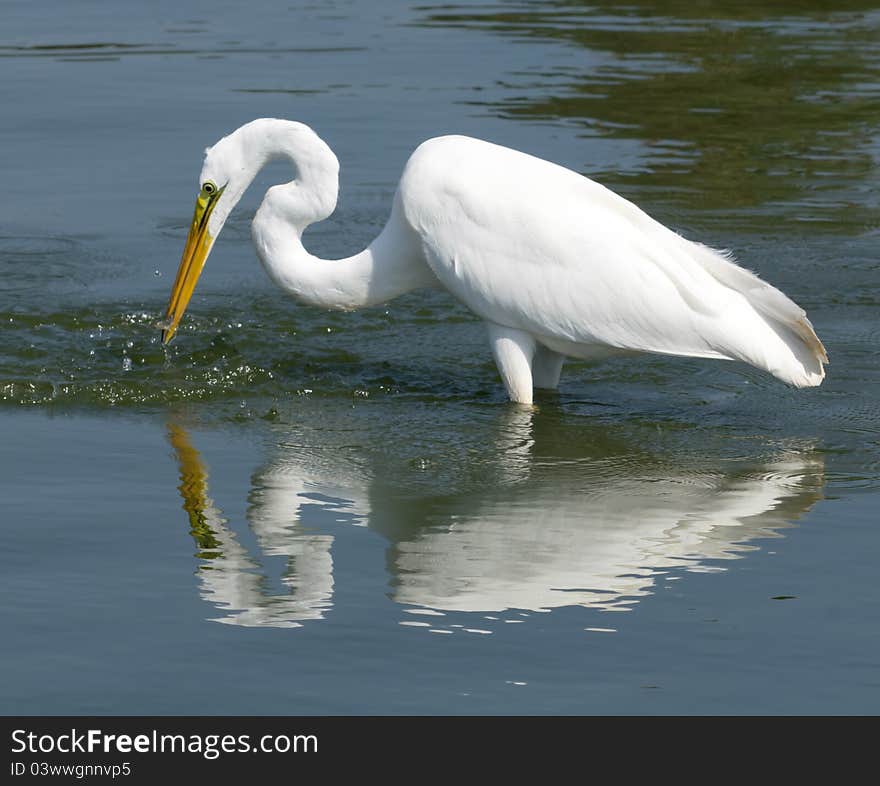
[{"x": 392, "y": 264}]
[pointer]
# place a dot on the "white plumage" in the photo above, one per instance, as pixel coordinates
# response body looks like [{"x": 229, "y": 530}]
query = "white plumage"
[{"x": 556, "y": 264}]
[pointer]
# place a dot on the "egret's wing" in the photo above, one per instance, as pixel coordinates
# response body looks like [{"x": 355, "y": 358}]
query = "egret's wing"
[{"x": 535, "y": 246}]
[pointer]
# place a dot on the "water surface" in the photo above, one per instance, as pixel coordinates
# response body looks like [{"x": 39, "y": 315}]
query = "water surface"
[{"x": 297, "y": 511}]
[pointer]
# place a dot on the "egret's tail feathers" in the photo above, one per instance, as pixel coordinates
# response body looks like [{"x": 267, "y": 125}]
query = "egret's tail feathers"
[{"x": 798, "y": 357}]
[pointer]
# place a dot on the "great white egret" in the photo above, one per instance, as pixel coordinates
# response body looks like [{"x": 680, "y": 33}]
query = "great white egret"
[{"x": 556, "y": 264}]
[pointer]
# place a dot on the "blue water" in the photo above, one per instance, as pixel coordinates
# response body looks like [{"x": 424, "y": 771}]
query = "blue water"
[{"x": 293, "y": 511}]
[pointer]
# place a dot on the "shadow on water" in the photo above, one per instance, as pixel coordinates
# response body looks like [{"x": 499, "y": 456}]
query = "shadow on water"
[
  {"x": 553, "y": 512},
  {"x": 737, "y": 105}
]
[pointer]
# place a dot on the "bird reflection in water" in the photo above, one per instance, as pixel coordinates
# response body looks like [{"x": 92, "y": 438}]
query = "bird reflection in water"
[
  {"x": 231, "y": 579},
  {"x": 593, "y": 521}
]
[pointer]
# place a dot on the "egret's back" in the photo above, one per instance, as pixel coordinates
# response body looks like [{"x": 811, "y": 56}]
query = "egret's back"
[{"x": 533, "y": 246}]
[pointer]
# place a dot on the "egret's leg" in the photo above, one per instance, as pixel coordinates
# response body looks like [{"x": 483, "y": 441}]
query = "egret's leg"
[
  {"x": 546, "y": 368},
  {"x": 513, "y": 351}
]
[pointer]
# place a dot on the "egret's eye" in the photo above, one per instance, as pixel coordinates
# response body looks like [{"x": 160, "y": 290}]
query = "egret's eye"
[{"x": 209, "y": 189}]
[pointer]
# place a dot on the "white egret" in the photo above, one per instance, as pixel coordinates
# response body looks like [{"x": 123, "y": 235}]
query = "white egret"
[{"x": 557, "y": 265}]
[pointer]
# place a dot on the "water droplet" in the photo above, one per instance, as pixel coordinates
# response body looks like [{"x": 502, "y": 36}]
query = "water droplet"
[
  {"x": 157, "y": 273},
  {"x": 126, "y": 364}
]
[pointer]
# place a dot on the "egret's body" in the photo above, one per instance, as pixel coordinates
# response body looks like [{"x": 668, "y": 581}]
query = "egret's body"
[{"x": 557, "y": 265}]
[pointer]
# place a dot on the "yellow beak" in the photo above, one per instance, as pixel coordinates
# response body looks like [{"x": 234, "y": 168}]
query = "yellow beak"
[{"x": 198, "y": 246}]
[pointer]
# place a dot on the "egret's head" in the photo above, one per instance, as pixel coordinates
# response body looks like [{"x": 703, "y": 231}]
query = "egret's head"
[
  {"x": 221, "y": 184},
  {"x": 229, "y": 168}
]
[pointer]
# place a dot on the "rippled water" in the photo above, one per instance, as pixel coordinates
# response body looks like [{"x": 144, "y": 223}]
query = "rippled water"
[{"x": 351, "y": 493}]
